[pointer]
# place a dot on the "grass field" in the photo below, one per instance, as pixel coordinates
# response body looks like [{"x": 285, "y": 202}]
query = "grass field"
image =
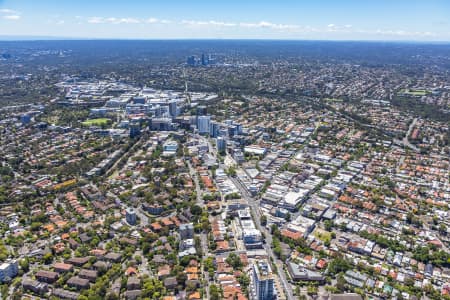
[
  {"x": 416, "y": 93},
  {"x": 333, "y": 100},
  {"x": 96, "y": 122},
  {"x": 322, "y": 235}
]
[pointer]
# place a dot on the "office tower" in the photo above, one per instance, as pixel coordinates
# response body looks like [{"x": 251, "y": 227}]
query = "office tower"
[
  {"x": 239, "y": 128},
  {"x": 203, "y": 124},
  {"x": 192, "y": 61},
  {"x": 232, "y": 130},
  {"x": 221, "y": 144},
  {"x": 173, "y": 108},
  {"x": 205, "y": 60},
  {"x": 214, "y": 128},
  {"x": 223, "y": 132},
  {"x": 135, "y": 130}
]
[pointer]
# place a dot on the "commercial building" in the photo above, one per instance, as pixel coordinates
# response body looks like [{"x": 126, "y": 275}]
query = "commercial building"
[
  {"x": 173, "y": 108},
  {"x": 170, "y": 147},
  {"x": 161, "y": 124},
  {"x": 263, "y": 281},
  {"x": 203, "y": 124},
  {"x": 192, "y": 61},
  {"x": 299, "y": 273},
  {"x": 214, "y": 129},
  {"x": 135, "y": 130},
  {"x": 221, "y": 144}
]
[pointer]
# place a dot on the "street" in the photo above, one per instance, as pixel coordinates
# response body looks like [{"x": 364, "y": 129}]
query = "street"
[{"x": 254, "y": 206}]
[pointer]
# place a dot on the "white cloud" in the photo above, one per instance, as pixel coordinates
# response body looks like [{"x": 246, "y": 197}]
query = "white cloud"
[
  {"x": 151, "y": 21},
  {"x": 294, "y": 30},
  {"x": 111, "y": 20},
  {"x": 222, "y": 24},
  {"x": 8, "y": 11},
  {"x": 12, "y": 17},
  {"x": 264, "y": 24},
  {"x": 122, "y": 21},
  {"x": 194, "y": 23},
  {"x": 95, "y": 20},
  {"x": 9, "y": 14},
  {"x": 114, "y": 20}
]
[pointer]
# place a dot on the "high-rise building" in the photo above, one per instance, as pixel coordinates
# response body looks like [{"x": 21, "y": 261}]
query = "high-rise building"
[
  {"x": 173, "y": 108},
  {"x": 232, "y": 130},
  {"x": 130, "y": 215},
  {"x": 205, "y": 60},
  {"x": 223, "y": 132},
  {"x": 263, "y": 281},
  {"x": 239, "y": 128},
  {"x": 135, "y": 130},
  {"x": 214, "y": 128},
  {"x": 203, "y": 124},
  {"x": 221, "y": 144},
  {"x": 192, "y": 61}
]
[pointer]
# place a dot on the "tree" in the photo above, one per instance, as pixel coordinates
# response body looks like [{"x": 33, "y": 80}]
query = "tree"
[
  {"x": 244, "y": 281},
  {"x": 340, "y": 284},
  {"x": 312, "y": 290},
  {"x": 196, "y": 210},
  {"x": 234, "y": 260},
  {"x": 263, "y": 220},
  {"x": 338, "y": 265},
  {"x": 47, "y": 258},
  {"x": 328, "y": 225},
  {"x": 231, "y": 171},
  {"x": 112, "y": 296},
  {"x": 214, "y": 292},
  {"x": 25, "y": 264},
  {"x": 288, "y": 217}
]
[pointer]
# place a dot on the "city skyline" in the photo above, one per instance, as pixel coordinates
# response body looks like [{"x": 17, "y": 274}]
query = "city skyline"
[{"x": 321, "y": 20}]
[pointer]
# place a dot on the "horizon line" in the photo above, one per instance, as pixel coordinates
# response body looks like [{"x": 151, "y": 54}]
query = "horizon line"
[{"x": 43, "y": 38}]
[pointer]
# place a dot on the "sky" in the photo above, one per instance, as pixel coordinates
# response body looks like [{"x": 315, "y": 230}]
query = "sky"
[{"x": 396, "y": 20}]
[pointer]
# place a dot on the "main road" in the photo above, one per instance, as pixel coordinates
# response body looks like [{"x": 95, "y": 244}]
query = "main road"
[{"x": 254, "y": 206}]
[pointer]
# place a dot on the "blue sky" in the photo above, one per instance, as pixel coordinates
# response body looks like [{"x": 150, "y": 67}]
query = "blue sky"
[{"x": 412, "y": 20}]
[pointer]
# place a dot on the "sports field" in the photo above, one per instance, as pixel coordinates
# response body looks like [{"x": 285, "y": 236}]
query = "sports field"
[
  {"x": 96, "y": 122},
  {"x": 416, "y": 93}
]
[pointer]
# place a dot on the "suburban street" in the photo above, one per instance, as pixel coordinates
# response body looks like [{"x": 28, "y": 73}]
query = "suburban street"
[{"x": 203, "y": 236}]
